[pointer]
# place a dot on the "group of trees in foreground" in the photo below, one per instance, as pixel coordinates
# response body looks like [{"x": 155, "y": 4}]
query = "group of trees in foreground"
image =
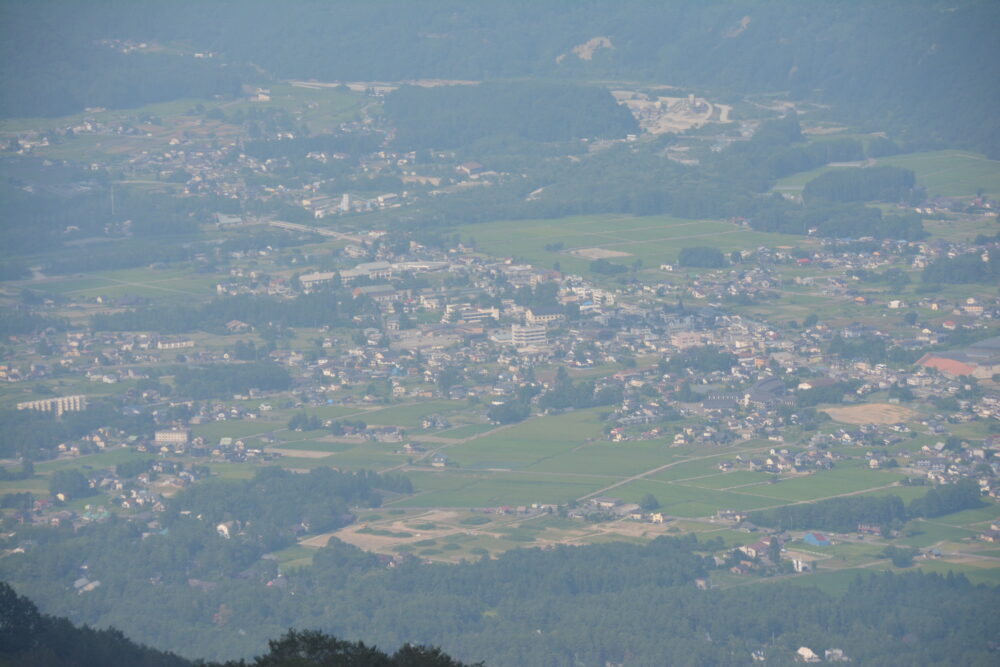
[{"x": 32, "y": 639}]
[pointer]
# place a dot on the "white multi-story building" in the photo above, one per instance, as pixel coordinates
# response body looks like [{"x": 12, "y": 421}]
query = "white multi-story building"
[
  {"x": 532, "y": 335},
  {"x": 173, "y": 436},
  {"x": 57, "y": 405}
]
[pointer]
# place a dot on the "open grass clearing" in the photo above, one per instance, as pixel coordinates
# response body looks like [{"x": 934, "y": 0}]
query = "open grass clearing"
[
  {"x": 950, "y": 173},
  {"x": 687, "y": 501},
  {"x": 926, "y": 533},
  {"x": 292, "y": 557},
  {"x": 982, "y": 517},
  {"x": 826, "y": 484}
]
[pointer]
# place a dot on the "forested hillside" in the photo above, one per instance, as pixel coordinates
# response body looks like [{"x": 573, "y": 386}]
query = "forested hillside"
[
  {"x": 31, "y": 639},
  {"x": 928, "y": 70},
  {"x": 569, "y": 606},
  {"x": 28, "y": 637}
]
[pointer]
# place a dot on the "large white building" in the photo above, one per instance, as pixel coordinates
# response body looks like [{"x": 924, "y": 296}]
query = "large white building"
[
  {"x": 531, "y": 335},
  {"x": 173, "y": 436},
  {"x": 57, "y": 405}
]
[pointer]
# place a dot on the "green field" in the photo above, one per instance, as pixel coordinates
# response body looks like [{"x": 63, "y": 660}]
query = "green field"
[
  {"x": 528, "y": 443},
  {"x": 609, "y": 459},
  {"x": 826, "y": 484},
  {"x": 653, "y": 239},
  {"x": 467, "y": 431},
  {"x": 950, "y": 173}
]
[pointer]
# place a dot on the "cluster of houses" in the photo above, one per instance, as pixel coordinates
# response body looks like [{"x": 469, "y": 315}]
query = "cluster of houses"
[{"x": 479, "y": 326}]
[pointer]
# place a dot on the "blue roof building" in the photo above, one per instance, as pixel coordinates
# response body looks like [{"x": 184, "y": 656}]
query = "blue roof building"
[{"x": 816, "y": 539}]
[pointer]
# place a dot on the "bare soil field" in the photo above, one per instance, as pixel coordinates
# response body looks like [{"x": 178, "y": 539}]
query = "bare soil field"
[
  {"x": 298, "y": 453},
  {"x": 597, "y": 253},
  {"x": 872, "y": 413}
]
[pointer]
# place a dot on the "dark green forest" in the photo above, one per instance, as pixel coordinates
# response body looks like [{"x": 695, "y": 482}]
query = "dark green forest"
[
  {"x": 453, "y": 116},
  {"x": 568, "y": 606},
  {"x": 31, "y": 639}
]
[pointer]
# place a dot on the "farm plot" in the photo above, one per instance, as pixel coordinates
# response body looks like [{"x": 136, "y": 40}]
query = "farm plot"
[
  {"x": 529, "y": 442},
  {"x": 606, "y": 459},
  {"x": 871, "y": 413},
  {"x": 951, "y": 173},
  {"x": 826, "y": 484},
  {"x": 575, "y": 241},
  {"x": 736, "y": 480},
  {"x": 689, "y": 501},
  {"x": 466, "y": 431}
]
